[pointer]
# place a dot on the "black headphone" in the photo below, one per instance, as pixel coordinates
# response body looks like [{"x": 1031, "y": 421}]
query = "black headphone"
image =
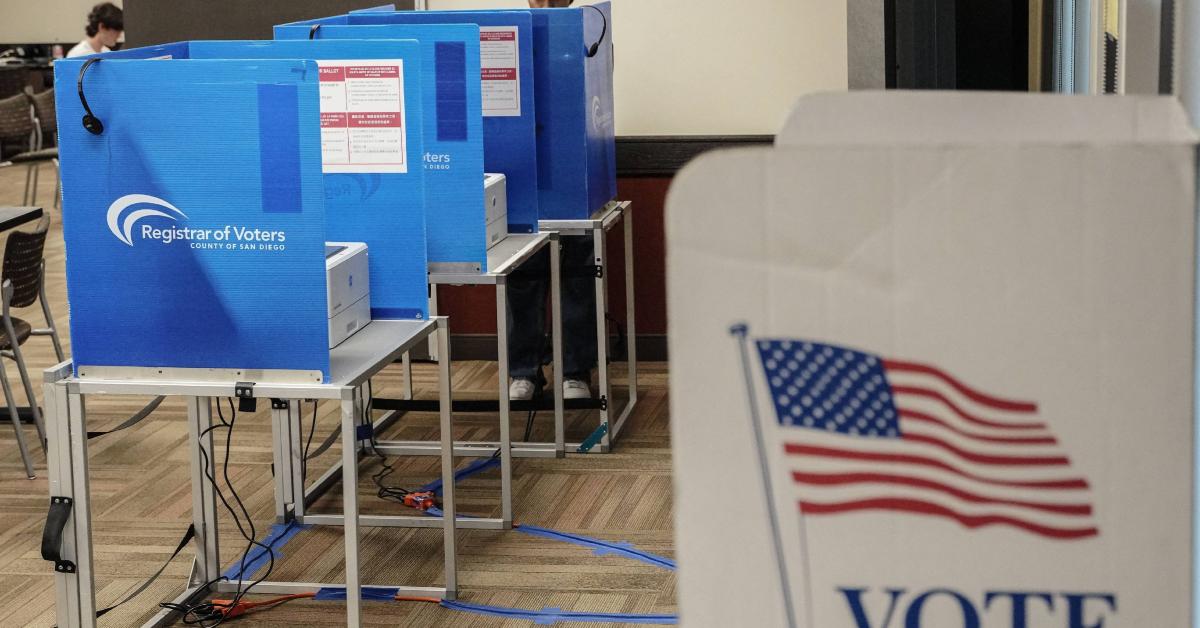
[
  {"x": 594, "y": 48},
  {"x": 90, "y": 121}
]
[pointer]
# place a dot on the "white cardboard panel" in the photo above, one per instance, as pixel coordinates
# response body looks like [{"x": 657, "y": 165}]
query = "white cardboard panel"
[{"x": 1053, "y": 270}]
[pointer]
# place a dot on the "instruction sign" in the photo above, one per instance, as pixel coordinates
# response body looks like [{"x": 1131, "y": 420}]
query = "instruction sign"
[
  {"x": 362, "y": 116},
  {"x": 498, "y": 54}
]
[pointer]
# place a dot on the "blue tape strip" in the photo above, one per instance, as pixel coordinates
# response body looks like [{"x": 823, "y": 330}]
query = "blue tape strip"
[
  {"x": 450, "y": 67},
  {"x": 279, "y": 148},
  {"x": 593, "y": 439},
  {"x": 371, "y": 594},
  {"x": 549, "y": 616},
  {"x": 478, "y": 466},
  {"x": 280, "y": 534},
  {"x": 601, "y": 548}
]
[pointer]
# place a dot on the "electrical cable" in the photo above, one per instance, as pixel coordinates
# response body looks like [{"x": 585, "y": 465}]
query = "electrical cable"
[
  {"x": 207, "y": 614},
  {"x": 137, "y": 417},
  {"x": 596, "y": 46},
  {"x": 384, "y": 492},
  {"x": 90, "y": 121},
  {"x": 311, "y": 431}
]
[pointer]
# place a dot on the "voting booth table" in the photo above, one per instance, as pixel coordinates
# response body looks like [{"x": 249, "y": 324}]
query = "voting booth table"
[
  {"x": 205, "y": 194},
  {"x": 477, "y": 236},
  {"x": 964, "y": 330},
  {"x": 546, "y": 81}
]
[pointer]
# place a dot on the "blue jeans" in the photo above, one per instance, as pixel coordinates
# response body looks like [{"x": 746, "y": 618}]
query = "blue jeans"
[{"x": 528, "y": 288}]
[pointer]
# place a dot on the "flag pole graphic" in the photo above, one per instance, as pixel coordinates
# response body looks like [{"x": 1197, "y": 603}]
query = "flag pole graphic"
[{"x": 741, "y": 332}]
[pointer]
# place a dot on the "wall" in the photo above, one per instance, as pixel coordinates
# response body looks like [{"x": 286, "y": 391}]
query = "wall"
[
  {"x": 44, "y": 21},
  {"x": 1142, "y": 29},
  {"x": 705, "y": 67},
  {"x": 687, "y": 68},
  {"x": 865, "y": 44},
  {"x": 158, "y": 21}
]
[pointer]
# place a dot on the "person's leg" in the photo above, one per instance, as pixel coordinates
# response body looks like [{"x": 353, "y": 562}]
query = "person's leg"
[
  {"x": 527, "y": 288},
  {"x": 579, "y": 308}
]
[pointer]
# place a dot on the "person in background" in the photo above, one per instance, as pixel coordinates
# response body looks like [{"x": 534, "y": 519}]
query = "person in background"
[
  {"x": 105, "y": 24},
  {"x": 527, "y": 291}
]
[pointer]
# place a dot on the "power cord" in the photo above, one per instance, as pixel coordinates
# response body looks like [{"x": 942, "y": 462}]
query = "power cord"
[
  {"x": 209, "y": 614},
  {"x": 311, "y": 431}
]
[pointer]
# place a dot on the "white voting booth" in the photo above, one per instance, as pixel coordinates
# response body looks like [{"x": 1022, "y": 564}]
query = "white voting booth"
[{"x": 933, "y": 366}]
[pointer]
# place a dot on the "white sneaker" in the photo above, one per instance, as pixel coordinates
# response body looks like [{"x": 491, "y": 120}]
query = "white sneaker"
[
  {"x": 576, "y": 389},
  {"x": 521, "y": 389}
]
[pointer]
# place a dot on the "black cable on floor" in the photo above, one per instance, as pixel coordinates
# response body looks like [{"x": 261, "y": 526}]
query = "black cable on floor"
[{"x": 205, "y": 614}]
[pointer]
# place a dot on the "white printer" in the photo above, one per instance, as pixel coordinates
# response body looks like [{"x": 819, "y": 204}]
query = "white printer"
[
  {"x": 348, "y": 289},
  {"x": 495, "y": 205}
]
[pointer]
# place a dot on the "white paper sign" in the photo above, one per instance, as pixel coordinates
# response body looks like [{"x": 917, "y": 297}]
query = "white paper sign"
[
  {"x": 362, "y": 116},
  {"x": 937, "y": 350},
  {"x": 500, "y": 69}
]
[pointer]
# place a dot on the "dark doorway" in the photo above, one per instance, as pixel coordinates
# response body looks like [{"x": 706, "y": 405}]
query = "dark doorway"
[{"x": 957, "y": 44}]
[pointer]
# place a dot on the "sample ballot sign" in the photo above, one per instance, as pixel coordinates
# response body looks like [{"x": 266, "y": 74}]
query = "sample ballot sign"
[
  {"x": 498, "y": 66},
  {"x": 362, "y": 116}
]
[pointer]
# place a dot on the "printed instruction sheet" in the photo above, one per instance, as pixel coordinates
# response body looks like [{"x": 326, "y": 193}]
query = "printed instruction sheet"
[
  {"x": 499, "y": 65},
  {"x": 362, "y": 116}
]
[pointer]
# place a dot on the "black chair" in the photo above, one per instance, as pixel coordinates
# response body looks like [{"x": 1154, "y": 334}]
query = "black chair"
[
  {"x": 22, "y": 283},
  {"x": 13, "y": 80},
  {"x": 46, "y": 132},
  {"x": 19, "y": 141}
]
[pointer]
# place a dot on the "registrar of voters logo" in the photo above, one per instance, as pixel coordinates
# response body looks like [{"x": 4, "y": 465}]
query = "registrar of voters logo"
[{"x": 129, "y": 220}]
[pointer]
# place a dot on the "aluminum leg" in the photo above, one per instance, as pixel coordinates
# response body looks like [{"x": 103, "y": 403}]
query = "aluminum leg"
[
  {"x": 433, "y": 311},
  {"x": 598, "y": 248},
  {"x": 16, "y": 423},
  {"x": 350, "y": 510},
  {"x": 406, "y": 365},
  {"x": 449, "y": 513},
  {"x": 62, "y": 483},
  {"x": 630, "y": 320},
  {"x": 82, "y": 512},
  {"x": 295, "y": 419},
  {"x": 556, "y": 343},
  {"x": 280, "y": 460},
  {"x": 506, "y": 509},
  {"x": 204, "y": 495}
]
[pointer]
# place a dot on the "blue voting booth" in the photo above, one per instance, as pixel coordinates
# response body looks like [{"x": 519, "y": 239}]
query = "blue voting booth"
[
  {"x": 509, "y": 127},
  {"x": 382, "y": 206},
  {"x": 195, "y": 222},
  {"x": 573, "y": 97},
  {"x": 453, "y": 135}
]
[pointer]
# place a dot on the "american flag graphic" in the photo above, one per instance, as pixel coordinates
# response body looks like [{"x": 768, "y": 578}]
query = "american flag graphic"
[{"x": 876, "y": 434}]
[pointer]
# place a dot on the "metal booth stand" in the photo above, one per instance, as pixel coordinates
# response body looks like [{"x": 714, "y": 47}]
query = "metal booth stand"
[
  {"x": 598, "y": 226},
  {"x": 352, "y": 364},
  {"x": 503, "y": 259}
]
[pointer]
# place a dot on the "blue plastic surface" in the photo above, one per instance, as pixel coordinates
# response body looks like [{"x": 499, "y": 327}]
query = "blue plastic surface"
[
  {"x": 453, "y": 129},
  {"x": 177, "y": 253},
  {"x": 576, "y": 143},
  {"x": 510, "y": 142},
  {"x": 384, "y": 210}
]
